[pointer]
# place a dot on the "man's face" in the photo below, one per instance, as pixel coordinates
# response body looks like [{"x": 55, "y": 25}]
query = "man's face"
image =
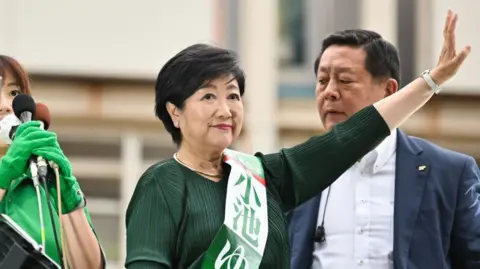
[{"x": 344, "y": 86}]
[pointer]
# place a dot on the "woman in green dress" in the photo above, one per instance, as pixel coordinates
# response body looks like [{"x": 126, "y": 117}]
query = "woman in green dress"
[
  {"x": 210, "y": 207},
  {"x": 18, "y": 198}
]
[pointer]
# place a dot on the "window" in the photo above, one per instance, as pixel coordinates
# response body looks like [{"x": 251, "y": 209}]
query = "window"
[
  {"x": 303, "y": 26},
  {"x": 292, "y": 32}
]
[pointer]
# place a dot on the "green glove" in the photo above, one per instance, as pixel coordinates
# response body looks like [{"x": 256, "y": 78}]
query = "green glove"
[
  {"x": 29, "y": 140},
  {"x": 72, "y": 195},
  {"x": 15, "y": 162}
]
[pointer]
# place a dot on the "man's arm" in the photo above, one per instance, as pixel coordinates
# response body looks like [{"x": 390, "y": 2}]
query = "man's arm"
[{"x": 465, "y": 245}]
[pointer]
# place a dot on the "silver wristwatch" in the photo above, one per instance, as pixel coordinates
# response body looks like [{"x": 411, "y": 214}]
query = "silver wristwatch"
[{"x": 428, "y": 79}]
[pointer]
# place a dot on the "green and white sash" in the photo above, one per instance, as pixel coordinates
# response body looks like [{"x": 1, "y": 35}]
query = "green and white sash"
[{"x": 240, "y": 242}]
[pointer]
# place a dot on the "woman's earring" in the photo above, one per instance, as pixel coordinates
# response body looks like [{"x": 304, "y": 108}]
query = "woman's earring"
[{"x": 176, "y": 124}]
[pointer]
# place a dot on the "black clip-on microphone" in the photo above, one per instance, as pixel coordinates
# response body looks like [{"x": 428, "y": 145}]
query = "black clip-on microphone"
[{"x": 319, "y": 234}]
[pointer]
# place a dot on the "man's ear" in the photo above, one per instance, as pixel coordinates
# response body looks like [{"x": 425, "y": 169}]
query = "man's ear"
[{"x": 391, "y": 87}]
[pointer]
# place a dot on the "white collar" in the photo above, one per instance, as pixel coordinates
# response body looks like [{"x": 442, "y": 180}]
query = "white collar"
[{"x": 382, "y": 153}]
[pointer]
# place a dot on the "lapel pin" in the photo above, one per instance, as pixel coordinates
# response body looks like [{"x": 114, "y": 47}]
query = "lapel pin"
[{"x": 422, "y": 168}]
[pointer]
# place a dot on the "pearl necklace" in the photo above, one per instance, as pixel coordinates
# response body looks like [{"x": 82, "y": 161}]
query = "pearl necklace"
[{"x": 175, "y": 157}]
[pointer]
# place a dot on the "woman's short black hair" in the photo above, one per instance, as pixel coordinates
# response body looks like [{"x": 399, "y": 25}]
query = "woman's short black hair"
[{"x": 186, "y": 72}]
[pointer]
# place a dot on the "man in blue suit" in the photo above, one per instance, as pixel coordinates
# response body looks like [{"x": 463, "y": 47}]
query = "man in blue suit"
[{"x": 408, "y": 203}]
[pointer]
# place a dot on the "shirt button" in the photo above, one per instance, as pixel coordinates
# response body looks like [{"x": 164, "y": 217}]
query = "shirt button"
[
  {"x": 360, "y": 262},
  {"x": 9, "y": 200},
  {"x": 361, "y": 231},
  {"x": 364, "y": 201}
]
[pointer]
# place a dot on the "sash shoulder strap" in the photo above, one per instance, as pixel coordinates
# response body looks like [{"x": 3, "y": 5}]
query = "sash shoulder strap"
[
  {"x": 241, "y": 240},
  {"x": 251, "y": 162}
]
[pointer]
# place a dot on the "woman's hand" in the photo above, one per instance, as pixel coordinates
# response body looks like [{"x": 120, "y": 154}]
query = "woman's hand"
[
  {"x": 72, "y": 196},
  {"x": 449, "y": 61},
  {"x": 29, "y": 136},
  {"x": 31, "y": 139}
]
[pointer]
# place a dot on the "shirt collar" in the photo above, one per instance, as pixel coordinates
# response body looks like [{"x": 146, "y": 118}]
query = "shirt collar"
[{"x": 381, "y": 154}]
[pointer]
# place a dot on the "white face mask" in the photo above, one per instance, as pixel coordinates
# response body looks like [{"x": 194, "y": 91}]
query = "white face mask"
[{"x": 6, "y": 124}]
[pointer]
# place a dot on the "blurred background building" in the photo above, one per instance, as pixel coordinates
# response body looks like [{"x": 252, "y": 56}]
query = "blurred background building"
[{"x": 94, "y": 64}]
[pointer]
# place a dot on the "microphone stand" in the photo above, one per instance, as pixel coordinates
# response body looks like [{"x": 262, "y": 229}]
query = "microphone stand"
[
  {"x": 42, "y": 171},
  {"x": 36, "y": 184}
]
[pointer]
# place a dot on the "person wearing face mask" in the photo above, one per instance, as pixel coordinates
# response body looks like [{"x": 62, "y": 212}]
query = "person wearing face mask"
[
  {"x": 212, "y": 207},
  {"x": 18, "y": 199},
  {"x": 408, "y": 203}
]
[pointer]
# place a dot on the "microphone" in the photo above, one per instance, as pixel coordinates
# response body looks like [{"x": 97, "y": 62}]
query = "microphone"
[
  {"x": 9, "y": 125},
  {"x": 24, "y": 108},
  {"x": 42, "y": 115},
  {"x": 319, "y": 234}
]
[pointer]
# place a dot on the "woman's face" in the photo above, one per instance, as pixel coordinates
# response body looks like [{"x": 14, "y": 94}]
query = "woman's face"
[
  {"x": 10, "y": 89},
  {"x": 212, "y": 117}
]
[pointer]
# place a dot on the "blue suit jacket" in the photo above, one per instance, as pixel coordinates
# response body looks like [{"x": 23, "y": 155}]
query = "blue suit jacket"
[{"x": 436, "y": 211}]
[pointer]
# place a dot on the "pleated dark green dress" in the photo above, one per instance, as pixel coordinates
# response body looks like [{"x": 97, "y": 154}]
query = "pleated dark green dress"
[{"x": 174, "y": 213}]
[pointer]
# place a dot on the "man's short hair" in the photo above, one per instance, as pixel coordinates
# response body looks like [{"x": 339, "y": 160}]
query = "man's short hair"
[{"x": 382, "y": 59}]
